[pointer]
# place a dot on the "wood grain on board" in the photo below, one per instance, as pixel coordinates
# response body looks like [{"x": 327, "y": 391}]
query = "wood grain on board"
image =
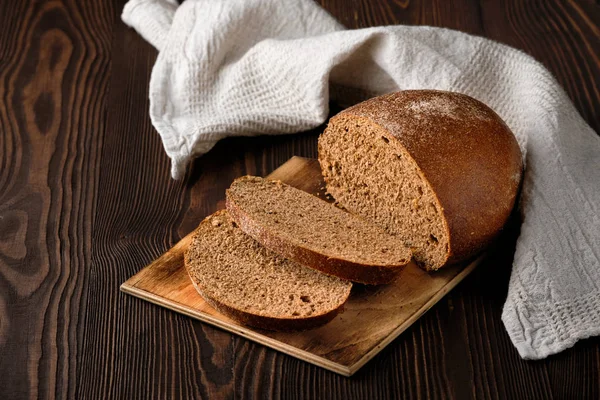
[
  {"x": 372, "y": 317},
  {"x": 86, "y": 198}
]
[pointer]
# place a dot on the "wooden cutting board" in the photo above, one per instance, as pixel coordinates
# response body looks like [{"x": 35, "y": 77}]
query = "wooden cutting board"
[{"x": 373, "y": 316}]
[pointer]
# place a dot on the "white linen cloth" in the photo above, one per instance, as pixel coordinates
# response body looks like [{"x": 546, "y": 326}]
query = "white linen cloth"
[{"x": 249, "y": 67}]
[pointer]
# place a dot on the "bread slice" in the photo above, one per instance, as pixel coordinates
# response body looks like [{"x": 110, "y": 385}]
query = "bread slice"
[
  {"x": 317, "y": 234},
  {"x": 252, "y": 285},
  {"x": 439, "y": 169}
]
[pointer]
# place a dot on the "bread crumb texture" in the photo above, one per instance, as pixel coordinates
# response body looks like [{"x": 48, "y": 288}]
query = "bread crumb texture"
[
  {"x": 305, "y": 221},
  {"x": 233, "y": 269}
]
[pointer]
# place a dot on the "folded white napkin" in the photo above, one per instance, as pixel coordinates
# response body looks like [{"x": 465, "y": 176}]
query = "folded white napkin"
[{"x": 248, "y": 67}]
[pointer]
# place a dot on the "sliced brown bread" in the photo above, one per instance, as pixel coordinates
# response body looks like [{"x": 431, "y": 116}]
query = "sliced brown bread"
[
  {"x": 441, "y": 170},
  {"x": 306, "y": 229},
  {"x": 255, "y": 286}
]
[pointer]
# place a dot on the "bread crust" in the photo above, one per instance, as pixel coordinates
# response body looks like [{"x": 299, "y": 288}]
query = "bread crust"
[
  {"x": 264, "y": 322},
  {"x": 466, "y": 153},
  {"x": 345, "y": 269}
]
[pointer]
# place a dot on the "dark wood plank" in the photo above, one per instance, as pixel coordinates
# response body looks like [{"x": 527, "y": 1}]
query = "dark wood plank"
[
  {"x": 563, "y": 35},
  {"x": 54, "y": 63},
  {"x": 86, "y": 200},
  {"x": 157, "y": 354}
]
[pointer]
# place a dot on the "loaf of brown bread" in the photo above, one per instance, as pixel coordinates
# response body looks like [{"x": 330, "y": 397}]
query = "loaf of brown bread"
[
  {"x": 315, "y": 233},
  {"x": 439, "y": 169},
  {"x": 255, "y": 286}
]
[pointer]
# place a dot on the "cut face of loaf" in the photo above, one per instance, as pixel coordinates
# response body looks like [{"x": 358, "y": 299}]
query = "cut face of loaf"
[
  {"x": 315, "y": 233},
  {"x": 251, "y": 284},
  {"x": 372, "y": 175},
  {"x": 438, "y": 169}
]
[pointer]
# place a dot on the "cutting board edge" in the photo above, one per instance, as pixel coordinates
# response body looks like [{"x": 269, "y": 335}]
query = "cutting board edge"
[
  {"x": 245, "y": 332},
  {"x": 345, "y": 370},
  {"x": 410, "y": 321}
]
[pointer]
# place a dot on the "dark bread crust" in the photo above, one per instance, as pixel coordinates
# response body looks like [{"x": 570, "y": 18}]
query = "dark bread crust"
[
  {"x": 469, "y": 156},
  {"x": 345, "y": 269},
  {"x": 268, "y": 323}
]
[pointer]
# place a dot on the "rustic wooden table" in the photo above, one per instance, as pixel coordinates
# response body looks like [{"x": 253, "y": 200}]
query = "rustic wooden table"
[{"x": 86, "y": 200}]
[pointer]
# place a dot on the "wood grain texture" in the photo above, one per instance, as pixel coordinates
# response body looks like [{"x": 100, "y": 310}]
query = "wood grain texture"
[
  {"x": 373, "y": 316},
  {"x": 86, "y": 200}
]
